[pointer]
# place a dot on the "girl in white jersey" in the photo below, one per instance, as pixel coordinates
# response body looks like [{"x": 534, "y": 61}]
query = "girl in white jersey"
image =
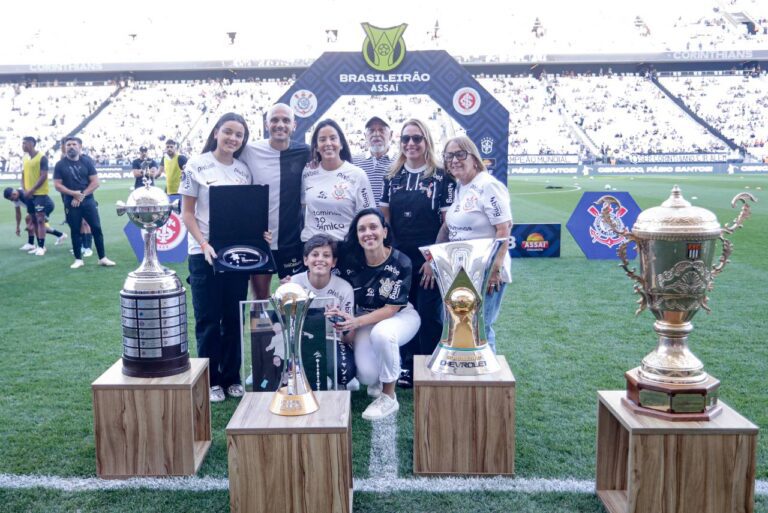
[
  {"x": 215, "y": 297},
  {"x": 335, "y": 190}
]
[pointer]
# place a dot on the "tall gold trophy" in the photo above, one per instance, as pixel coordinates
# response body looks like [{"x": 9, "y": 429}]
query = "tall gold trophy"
[
  {"x": 463, "y": 269},
  {"x": 676, "y": 247},
  {"x": 291, "y": 303}
]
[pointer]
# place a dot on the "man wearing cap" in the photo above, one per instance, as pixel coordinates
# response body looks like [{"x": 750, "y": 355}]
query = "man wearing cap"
[
  {"x": 141, "y": 164},
  {"x": 378, "y": 136}
]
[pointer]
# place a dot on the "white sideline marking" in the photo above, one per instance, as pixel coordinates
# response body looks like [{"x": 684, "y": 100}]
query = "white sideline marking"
[
  {"x": 376, "y": 484},
  {"x": 570, "y": 188},
  {"x": 383, "y": 460}
]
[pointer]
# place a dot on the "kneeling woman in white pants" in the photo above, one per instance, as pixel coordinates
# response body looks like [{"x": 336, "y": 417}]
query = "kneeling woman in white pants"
[{"x": 381, "y": 277}]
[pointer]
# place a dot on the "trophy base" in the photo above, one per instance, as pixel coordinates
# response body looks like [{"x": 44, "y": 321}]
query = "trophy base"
[
  {"x": 155, "y": 368},
  {"x": 463, "y": 362},
  {"x": 293, "y": 405},
  {"x": 672, "y": 402}
]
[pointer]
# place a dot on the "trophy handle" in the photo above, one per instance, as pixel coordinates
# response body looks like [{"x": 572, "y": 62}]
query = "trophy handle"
[
  {"x": 640, "y": 286},
  {"x": 120, "y": 207},
  {"x": 175, "y": 206},
  {"x": 729, "y": 229}
]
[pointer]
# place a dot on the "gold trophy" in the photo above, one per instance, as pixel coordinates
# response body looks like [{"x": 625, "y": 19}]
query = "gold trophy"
[
  {"x": 463, "y": 269},
  {"x": 676, "y": 247},
  {"x": 291, "y": 303}
]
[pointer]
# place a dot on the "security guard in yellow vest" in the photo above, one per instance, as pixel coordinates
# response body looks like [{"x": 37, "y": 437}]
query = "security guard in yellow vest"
[{"x": 172, "y": 165}]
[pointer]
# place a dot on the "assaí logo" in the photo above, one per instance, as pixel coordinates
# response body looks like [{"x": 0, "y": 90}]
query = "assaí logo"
[{"x": 383, "y": 48}]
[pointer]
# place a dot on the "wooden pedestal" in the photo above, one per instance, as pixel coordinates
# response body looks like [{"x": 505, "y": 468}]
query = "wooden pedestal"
[
  {"x": 650, "y": 465},
  {"x": 151, "y": 426},
  {"x": 291, "y": 464},
  {"x": 463, "y": 424}
]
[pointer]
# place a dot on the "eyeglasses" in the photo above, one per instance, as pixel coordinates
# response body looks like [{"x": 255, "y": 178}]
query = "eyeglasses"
[
  {"x": 460, "y": 155},
  {"x": 405, "y": 139}
]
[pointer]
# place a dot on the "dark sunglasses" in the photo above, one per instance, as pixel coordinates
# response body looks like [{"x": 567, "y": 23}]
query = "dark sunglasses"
[
  {"x": 405, "y": 139},
  {"x": 460, "y": 155}
]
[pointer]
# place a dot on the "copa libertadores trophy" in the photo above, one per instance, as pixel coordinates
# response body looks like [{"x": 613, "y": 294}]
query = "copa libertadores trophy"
[
  {"x": 463, "y": 269},
  {"x": 676, "y": 248},
  {"x": 153, "y": 302},
  {"x": 291, "y": 303}
]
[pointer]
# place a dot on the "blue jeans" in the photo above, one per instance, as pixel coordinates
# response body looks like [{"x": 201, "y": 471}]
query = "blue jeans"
[
  {"x": 216, "y": 302},
  {"x": 491, "y": 309}
]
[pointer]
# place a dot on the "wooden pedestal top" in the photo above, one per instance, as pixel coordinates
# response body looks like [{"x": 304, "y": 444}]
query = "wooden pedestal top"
[
  {"x": 114, "y": 378},
  {"x": 729, "y": 422},
  {"x": 253, "y": 416},
  {"x": 423, "y": 376}
]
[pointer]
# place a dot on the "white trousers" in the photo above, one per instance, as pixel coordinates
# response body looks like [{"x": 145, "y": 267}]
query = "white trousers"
[{"x": 377, "y": 347}]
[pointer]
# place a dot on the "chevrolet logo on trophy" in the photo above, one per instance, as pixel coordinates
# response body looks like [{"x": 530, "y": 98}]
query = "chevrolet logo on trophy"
[
  {"x": 463, "y": 269},
  {"x": 676, "y": 247},
  {"x": 291, "y": 303}
]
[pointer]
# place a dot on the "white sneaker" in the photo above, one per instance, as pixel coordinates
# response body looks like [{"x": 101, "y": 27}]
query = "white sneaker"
[
  {"x": 32, "y": 251},
  {"x": 27, "y": 247},
  {"x": 39, "y": 251},
  {"x": 78, "y": 263},
  {"x": 106, "y": 262},
  {"x": 375, "y": 390},
  {"x": 249, "y": 379},
  {"x": 353, "y": 385},
  {"x": 217, "y": 394},
  {"x": 61, "y": 239},
  {"x": 235, "y": 390},
  {"x": 87, "y": 252},
  {"x": 381, "y": 408}
]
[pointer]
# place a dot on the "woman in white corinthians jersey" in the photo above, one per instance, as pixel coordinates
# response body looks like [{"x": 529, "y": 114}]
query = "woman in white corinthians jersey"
[
  {"x": 215, "y": 297},
  {"x": 479, "y": 211},
  {"x": 380, "y": 276},
  {"x": 334, "y": 190}
]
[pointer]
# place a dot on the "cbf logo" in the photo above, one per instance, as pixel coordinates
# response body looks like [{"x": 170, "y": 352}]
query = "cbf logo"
[
  {"x": 383, "y": 48},
  {"x": 602, "y": 232},
  {"x": 486, "y": 145},
  {"x": 304, "y": 103}
]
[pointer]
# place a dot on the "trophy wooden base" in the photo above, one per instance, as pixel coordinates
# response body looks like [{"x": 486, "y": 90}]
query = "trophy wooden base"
[
  {"x": 672, "y": 402},
  {"x": 151, "y": 426},
  {"x": 463, "y": 424},
  {"x": 291, "y": 464},
  {"x": 649, "y": 465}
]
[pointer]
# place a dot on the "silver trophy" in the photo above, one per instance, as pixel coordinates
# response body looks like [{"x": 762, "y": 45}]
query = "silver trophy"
[
  {"x": 463, "y": 269},
  {"x": 291, "y": 303},
  {"x": 153, "y": 301},
  {"x": 676, "y": 247}
]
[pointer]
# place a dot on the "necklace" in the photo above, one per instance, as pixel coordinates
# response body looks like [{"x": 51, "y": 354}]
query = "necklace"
[{"x": 387, "y": 252}]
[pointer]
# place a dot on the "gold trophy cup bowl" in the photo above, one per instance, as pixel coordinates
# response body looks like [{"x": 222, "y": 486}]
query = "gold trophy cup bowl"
[{"x": 676, "y": 247}]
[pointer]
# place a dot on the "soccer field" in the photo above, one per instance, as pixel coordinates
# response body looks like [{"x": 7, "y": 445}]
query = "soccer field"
[{"x": 567, "y": 329}]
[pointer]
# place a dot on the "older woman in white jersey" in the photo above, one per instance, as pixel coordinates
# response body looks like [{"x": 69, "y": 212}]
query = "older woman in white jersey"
[{"x": 479, "y": 211}]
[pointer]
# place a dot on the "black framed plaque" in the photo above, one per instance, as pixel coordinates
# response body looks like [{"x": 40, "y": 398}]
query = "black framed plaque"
[{"x": 238, "y": 219}]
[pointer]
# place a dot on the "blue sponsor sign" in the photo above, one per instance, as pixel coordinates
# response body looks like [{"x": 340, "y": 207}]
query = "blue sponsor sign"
[
  {"x": 535, "y": 241},
  {"x": 171, "y": 239},
  {"x": 594, "y": 236}
]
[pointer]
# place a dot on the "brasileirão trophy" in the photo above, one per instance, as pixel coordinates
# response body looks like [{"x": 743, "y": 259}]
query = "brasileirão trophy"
[
  {"x": 153, "y": 301},
  {"x": 291, "y": 303},
  {"x": 463, "y": 269},
  {"x": 676, "y": 247}
]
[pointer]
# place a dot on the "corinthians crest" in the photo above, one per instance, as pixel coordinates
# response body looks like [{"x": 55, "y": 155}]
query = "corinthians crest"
[
  {"x": 601, "y": 231},
  {"x": 383, "y": 48}
]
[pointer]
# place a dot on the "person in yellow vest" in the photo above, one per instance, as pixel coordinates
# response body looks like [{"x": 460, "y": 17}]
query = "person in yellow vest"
[
  {"x": 172, "y": 165},
  {"x": 34, "y": 184}
]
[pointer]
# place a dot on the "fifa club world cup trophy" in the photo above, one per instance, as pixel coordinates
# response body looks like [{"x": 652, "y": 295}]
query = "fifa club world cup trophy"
[
  {"x": 463, "y": 269},
  {"x": 291, "y": 303},
  {"x": 676, "y": 248},
  {"x": 153, "y": 301}
]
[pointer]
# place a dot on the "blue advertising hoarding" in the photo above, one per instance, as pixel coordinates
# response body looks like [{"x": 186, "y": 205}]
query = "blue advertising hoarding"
[{"x": 535, "y": 241}]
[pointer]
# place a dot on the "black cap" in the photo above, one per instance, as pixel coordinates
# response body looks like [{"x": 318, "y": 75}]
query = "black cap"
[
  {"x": 376, "y": 119},
  {"x": 143, "y": 148}
]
